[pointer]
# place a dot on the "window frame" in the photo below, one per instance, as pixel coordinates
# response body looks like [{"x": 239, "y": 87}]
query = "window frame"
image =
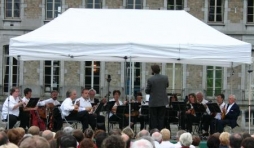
[
  {"x": 52, "y": 76},
  {"x": 92, "y": 76},
  {"x": 247, "y": 12},
  {"x": 136, "y": 76},
  {"x": 175, "y": 5},
  {"x": 12, "y": 9},
  {"x": 94, "y": 4},
  {"x": 214, "y": 89},
  {"x": 174, "y": 72},
  {"x": 53, "y": 11},
  {"x": 134, "y": 4},
  {"x": 215, "y": 14}
]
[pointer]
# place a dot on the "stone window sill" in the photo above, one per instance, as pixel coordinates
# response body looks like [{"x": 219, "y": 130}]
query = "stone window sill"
[
  {"x": 12, "y": 20},
  {"x": 215, "y": 24}
]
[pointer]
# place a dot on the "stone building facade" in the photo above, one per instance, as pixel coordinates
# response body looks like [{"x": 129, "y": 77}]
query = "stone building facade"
[{"x": 232, "y": 17}]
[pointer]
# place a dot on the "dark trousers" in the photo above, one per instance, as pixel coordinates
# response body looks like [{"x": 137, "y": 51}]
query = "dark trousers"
[
  {"x": 80, "y": 116},
  {"x": 12, "y": 120},
  {"x": 121, "y": 119},
  {"x": 213, "y": 126},
  {"x": 190, "y": 119},
  {"x": 221, "y": 124},
  {"x": 24, "y": 117},
  {"x": 206, "y": 121},
  {"x": 100, "y": 122},
  {"x": 92, "y": 120},
  {"x": 157, "y": 115}
]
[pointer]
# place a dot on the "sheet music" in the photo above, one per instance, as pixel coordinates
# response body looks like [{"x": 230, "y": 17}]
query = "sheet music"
[{"x": 147, "y": 98}]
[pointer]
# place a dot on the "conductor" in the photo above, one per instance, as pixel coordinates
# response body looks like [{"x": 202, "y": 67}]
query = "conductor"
[{"x": 156, "y": 87}]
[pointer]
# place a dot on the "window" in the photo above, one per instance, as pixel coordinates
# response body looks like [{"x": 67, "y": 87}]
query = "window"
[
  {"x": 214, "y": 80},
  {"x": 137, "y": 77},
  {"x": 175, "y": 5},
  {"x": 14, "y": 78},
  {"x": 12, "y": 8},
  {"x": 94, "y": 4},
  {"x": 92, "y": 75},
  {"x": 51, "y": 75},
  {"x": 215, "y": 11},
  {"x": 134, "y": 4},
  {"x": 250, "y": 11},
  {"x": 174, "y": 71},
  {"x": 52, "y": 7}
]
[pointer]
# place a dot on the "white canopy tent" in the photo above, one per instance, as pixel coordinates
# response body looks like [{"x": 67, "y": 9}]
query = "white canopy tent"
[
  {"x": 144, "y": 35},
  {"x": 140, "y": 35}
]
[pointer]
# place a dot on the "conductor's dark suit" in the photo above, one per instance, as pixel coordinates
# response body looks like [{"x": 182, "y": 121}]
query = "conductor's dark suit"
[
  {"x": 156, "y": 87},
  {"x": 230, "y": 118}
]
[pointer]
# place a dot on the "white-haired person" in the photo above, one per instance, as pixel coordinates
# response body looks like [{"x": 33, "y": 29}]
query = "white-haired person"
[
  {"x": 157, "y": 137},
  {"x": 142, "y": 143},
  {"x": 178, "y": 136},
  {"x": 165, "y": 143},
  {"x": 185, "y": 140}
]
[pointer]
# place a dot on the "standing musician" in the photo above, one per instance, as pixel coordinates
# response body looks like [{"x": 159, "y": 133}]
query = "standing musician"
[
  {"x": 207, "y": 117},
  {"x": 14, "y": 104},
  {"x": 52, "y": 100},
  {"x": 24, "y": 114},
  {"x": 95, "y": 102},
  {"x": 232, "y": 111},
  {"x": 85, "y": 104},
  {"x": 191, "y": 116},
  {"x": 218, "y": 116},
  {"x": 112, "y": 115},
  {"x": 71, "y": 111},
  {"x": 156, "y": 87}
]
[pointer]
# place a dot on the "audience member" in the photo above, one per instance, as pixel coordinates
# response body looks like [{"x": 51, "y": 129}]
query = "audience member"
[
  {"x": 78, "y": 134},
  {"x": 115, "y": 131},
  {"x": 3, "y": 138},
  {"x": 99, "y": 138},
  {"x": 34, "y": 142},
  {"x": 185, "y": 139},
  {"x": 128, "y": 131},
  {"x": 213, "y": 142},
  {"x": 21, "y": 131},
  {"x": 47, "y": 134},
  {"x": 150, "y": 139},
  {"x": 87, "y": 143},
  {"x": 14, "y": 136},
  {"x": 53, "y": 143},
  {"x": 33, "y": 130},
  {"x": 126, "y": 139},
  {"x": 143, "y": 133},
  {"x": 142, "y": 143},
  {"x": 89, "y": 133},
  {"x": 165, "y": 143},
  {"x": 196, "y": 141},
  {"x": 68, "y": 141},
  {"x": 157, "y": 139},
  {"x": 153, "y": 130},
  {"x": 246, "y": 135},
  {"x": 178, "y": 135},
  {"x": 248, "y": 143},
  {"x": 224, "y": 140},
  {"x": 235, "y": 140},
  {"x": 68, "y": 130},
  {"x": 113, "y": 141}
]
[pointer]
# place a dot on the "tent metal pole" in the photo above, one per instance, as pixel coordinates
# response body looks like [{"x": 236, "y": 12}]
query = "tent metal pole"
[
  {"x": 92, "y": 75},
  {"x": 130, "y": 91},
  {"x": 10, "y": 85},
  {"x": 231, "y": 78},
  {"x": 250, "y": 93}
]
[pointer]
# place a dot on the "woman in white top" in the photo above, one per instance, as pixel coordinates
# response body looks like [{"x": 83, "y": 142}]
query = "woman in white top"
[{"x": 14, "y": 104}]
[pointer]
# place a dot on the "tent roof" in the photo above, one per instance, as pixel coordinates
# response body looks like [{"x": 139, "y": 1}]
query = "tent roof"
[{"x": 144, "y": 35}]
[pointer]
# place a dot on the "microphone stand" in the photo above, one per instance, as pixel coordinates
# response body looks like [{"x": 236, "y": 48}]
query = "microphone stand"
[{"x": 108, "y": 80}]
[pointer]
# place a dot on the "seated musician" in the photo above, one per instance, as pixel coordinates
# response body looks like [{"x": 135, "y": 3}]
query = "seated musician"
[
  {"x": 171, "y": 115},
  {"x": 11, "y": 105},
  {"x": 232, "y": 112},
  {"x": 117, "y": 117},
  {"x": 141, "y": 119},
  {"x": 95, "y": 102},
  {"x": 24, "y": 114},
  {"x": 190, "y": 113},
  {"x": 207, "y": 117},
  {"x": 218, "y": 116},
  {"x": 71, "y": 111},
  {"x": 84, "y": 104},
  {"x": 52, "y": 100}
]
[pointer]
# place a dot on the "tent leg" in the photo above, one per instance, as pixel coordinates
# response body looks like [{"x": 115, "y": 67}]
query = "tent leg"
[{"x": 250, "y": 93}]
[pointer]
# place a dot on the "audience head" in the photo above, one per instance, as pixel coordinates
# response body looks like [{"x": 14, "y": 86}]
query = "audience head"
[
  {"x": 47, "y": 134},
  {"x": 113, "y": 141},
  {"x": 59, "y": 134},
  {"x": 89, "y": 133},
  {"x": 3, "y": 138},
  {"x": 165, "y": 134},
  {"x": 99, "y": 138},
  {"x": 126, "y": 139},
  {"x": 235, "y": 140},
  {"x": 34, "y": 130},
  {"x": 53, "y": 143},
  {"x": 216, "y": 135},
  {"x": 86, "y": 143},
  {"x": 185, "y": 139},
  {"x": 78, "y": 134},
  {"x": 142, "y": 143},
  {"x": 143, "y": 133},
  {"x": 213, "y": 142},
  {"x": 196, "y": 140},
  {"x": 179, "y": 133},
  {"x": 153, "y": 130},
  {"x": 68, "y": 130},
  {"x": 21, "y": 131},
  {"x": 67, "y": 141},
  {"x": 34, "y": 141},
  {"x": 157, "y": 137},
  {"x": 14, "y": 136},
  {"x": 128, "y": 131},
  {"x": 150, "y": 139},
  {"x": 115, "y": 131},
  {"x": 224, "y": 138},
  {"x": 248, "y": 142},
  {"x": 246, "y": 135}
]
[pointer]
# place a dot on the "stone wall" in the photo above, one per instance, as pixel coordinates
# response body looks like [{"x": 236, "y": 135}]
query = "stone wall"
[
  {"x": 71, "y": 76},
  {"x": 32, "y": 10},
  {"x": 235, "y": 15}
]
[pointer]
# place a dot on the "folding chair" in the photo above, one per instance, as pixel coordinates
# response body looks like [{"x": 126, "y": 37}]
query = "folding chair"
[{"x": 71, "y": 123}]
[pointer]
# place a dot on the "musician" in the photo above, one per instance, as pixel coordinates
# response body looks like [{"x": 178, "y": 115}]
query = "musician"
[
  {"x": 72, "y": 111},
  {"x": 14, "y": 104},
  {"x": 95, "y": 102},
  {"x": 112, "y": 115},
  {"x": 24, "y": 114},
  {"x": 85, "y": 104},
  {"x": 218, "y": 116},
  {"x": 191, "y": 116},
  {"x": 53, "y": 99},
  {"x": 207, "y": 117},
  {"x": 156, "y": 87},
  {"x": 141, "y": 119},
  {"x": 232, "y": 112},
  {"x": 172, "y": 115}
]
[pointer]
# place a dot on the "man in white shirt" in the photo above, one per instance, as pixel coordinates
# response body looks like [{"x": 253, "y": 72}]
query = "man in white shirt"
[
  {"x": 72, "y": 111},
  {"x": 222, "y": 105},
  {"x": 84, "y": 104},
  {"x": 24, "y": 114},
  {"x": 14, "y": 104},
  {"x": 53, "y": 99}
]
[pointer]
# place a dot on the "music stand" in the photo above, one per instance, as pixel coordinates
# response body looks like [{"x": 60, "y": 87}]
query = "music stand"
[
  {"x": 199, "y": 108},
  {"x": 109, "y": 105},
  {"x": 180, "y": 107},
  {"x": 214, "y": 107},
  {"x": 32, "y": 102},
  {"x": 99, "y": 108}
]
